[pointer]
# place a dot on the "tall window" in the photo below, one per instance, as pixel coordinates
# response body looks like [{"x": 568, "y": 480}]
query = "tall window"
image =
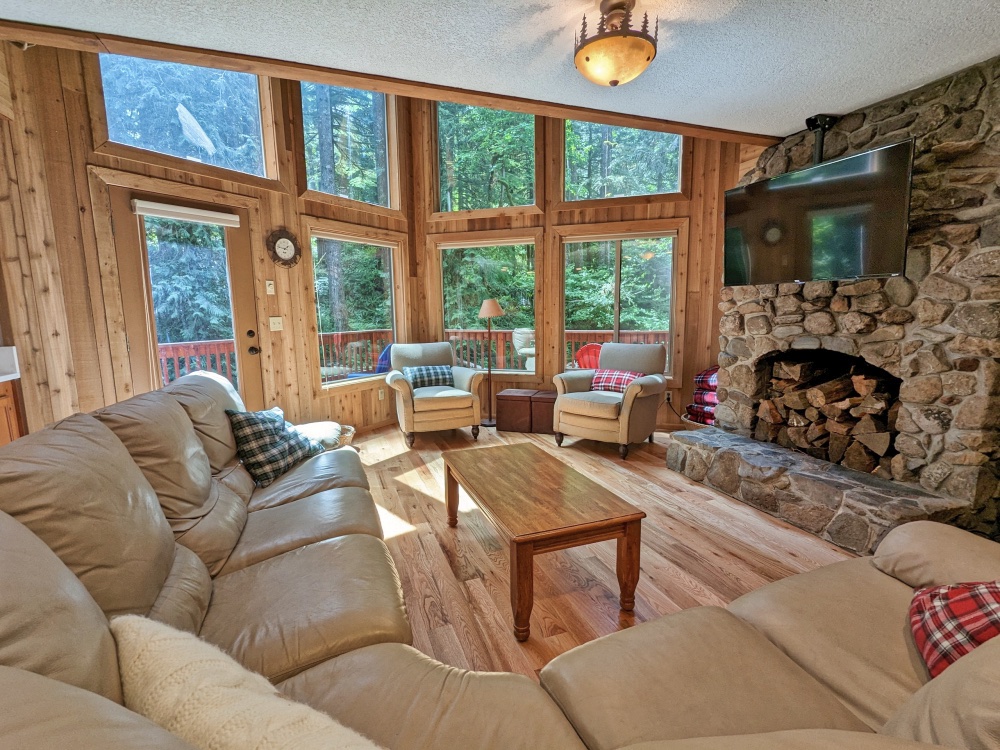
[
  {"x": 346, "y": 142},
  {"x": 486, "y": 157},
  {"x": 505, "y": 273},
  {"x": 200, "y": 114},
  {"x": 608, "y": 161},
  {"x": 354, "y": 307},
  {"x": 618, "y": 290}
]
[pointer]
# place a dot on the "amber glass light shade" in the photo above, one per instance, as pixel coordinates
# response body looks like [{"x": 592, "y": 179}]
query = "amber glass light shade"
[{"x": 614, "y": 59}]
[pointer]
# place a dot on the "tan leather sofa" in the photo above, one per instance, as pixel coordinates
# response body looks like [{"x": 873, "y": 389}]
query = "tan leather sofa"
[
  {"x": 97, "y": 519},
  {"x": 622, "y": 418},
  {"x": 435, "y": 407}
]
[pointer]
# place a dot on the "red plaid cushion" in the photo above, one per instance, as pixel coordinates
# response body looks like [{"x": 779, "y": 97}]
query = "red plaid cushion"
[
  {"x": 949, "y": 621},
  {"x": 701, "y": 414},
  {"x": 613, "y": 380},
  {"x": 705, "y": 398},
  {"x": 708, "y": 380}
]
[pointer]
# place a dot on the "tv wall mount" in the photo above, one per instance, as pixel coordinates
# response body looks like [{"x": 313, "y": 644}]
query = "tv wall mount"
[{"x": 819, "y": 125}]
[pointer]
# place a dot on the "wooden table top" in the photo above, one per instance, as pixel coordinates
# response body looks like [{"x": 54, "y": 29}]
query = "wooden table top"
[{"x": 527, "y": 493}]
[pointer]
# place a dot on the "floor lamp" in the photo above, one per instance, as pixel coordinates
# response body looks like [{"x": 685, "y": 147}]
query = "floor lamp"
[{"x": 490, "y": 309}]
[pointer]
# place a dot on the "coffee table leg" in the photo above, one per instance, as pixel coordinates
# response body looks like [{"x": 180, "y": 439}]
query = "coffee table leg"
[
  {"x": 628, "y": 564},
  {"x": 451, "y": 496},
  {"x": 522, "y": 593}
]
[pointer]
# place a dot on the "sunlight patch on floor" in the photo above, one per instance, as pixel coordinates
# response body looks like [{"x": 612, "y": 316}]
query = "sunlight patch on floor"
[
  {"x": 414, "y": 480},
  {"x": 393, "y": 525}
]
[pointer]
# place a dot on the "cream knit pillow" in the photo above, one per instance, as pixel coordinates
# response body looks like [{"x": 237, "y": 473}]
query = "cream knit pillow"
[{"x": 200, "y": 694}]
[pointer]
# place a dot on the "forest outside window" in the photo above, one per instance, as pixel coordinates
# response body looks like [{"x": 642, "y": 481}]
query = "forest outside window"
[
  {"x": 502, "y": 272},
  {"x": 354, "y": 307},
  {"x": 617, "y": 290},
  {"x": 609, "y": 161},
  {"x": 346, "y": 143},
  {"x": 486, "y": 157},
  {"x": 199, "y": 114}
]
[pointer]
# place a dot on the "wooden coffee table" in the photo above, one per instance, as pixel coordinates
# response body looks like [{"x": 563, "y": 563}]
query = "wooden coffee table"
[{"x": 539, "y": 504}]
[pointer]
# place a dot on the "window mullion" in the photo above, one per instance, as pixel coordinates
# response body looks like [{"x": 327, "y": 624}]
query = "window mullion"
[{"x": 618, "y": 291}]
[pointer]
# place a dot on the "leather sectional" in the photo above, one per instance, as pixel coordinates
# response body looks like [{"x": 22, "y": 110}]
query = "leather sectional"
[{"x": 143, "y": 508}]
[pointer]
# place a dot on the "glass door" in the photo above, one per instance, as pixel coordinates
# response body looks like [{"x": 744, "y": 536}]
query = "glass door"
[{"x": 193, "y": 307}]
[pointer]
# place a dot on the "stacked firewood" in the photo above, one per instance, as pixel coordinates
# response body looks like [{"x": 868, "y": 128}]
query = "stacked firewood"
[{"x": 847, "y": 417}]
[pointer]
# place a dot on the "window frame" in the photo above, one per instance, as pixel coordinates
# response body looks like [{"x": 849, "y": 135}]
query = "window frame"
[
  {"x": 437, "y": 215},
  {"x": 557, "y": 139},
  {"x": 313, "y": 226},
  {"x": 392, "y": 130},
  {"x": 611, "y": 231},
  {"x": 104, "y": 146},
  {"x": 489, "y": 238}
]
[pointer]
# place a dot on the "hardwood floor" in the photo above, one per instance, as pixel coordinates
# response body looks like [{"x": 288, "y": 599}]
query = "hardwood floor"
[{"x": 698, "y": 547}]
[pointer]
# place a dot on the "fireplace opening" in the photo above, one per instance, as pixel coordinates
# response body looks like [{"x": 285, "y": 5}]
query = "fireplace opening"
[{"x": 832, "y": 406}]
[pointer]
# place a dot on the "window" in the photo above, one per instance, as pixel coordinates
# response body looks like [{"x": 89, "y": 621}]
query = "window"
[
  {"x": 618, "y": 290},
  {"x": 503, "y": 272},
  {"x": 354, "y": 307},
  {"x": 486, "y": 157},
  {"x": 608, "y": 161},
  {"x": 346, "y": 143},
  {"x": 200, "y": 114}
]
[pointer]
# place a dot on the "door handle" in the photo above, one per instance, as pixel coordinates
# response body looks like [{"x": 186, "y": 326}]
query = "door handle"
[{"x": 253, "y": 350}]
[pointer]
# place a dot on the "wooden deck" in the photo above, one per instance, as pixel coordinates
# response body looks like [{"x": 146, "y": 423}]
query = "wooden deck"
[{"x": 698, "y": 547}]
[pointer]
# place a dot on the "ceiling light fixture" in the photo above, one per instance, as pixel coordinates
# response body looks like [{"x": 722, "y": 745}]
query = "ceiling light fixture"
[{"x": 616, "y": 53}]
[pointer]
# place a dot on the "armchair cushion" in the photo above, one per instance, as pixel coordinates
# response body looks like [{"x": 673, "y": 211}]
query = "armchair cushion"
[
  {"x": 438, "y": 397},
  {"x": 601, "y": 404},
  {"x": 616, "y": 381},
  {"x": 268, "y": 445},
  {"x": 429, "y": 375}
]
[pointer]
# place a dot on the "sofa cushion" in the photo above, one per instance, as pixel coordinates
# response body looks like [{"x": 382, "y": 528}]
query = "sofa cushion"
[
  {"x": 267, "y": 445},
  {"x": 960, "y": 708},
  {"x": 600, "y": 404},
  {"x": 437, "y": 397},
  {"x": 215, "y": 536},
  {"x": 184, "y": 598},
  {"x": 75, "y": 486},
  {"x": 288, "y": 613},
  {"x": 205, "y": 397},
  {"x": 235, "y": 476},
  {"x": 798, "y": 739},
  {"x": 49, "y": 624},
  {"x": 41, "y": 714},
  {"x": 403, "y": 699},
  {"x": 325, "y": 515},
  {"x": 327, "y": 471},
  {"x": 699, "y": 672},
  {"x": 847, "y": 624},
  {"x": 195, "y": 691},
  {"x": 926, "y": 553}
]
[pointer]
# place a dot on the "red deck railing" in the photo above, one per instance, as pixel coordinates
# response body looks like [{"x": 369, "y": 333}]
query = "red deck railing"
[{"x": 343, "y": 355}]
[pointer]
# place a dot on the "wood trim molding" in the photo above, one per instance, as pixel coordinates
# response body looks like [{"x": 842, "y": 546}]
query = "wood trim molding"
[{"x": 97, "y": 42}]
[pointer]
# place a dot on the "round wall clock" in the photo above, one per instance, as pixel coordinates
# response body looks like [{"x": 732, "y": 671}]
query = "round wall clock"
[
  {"x": 283, "y": 248},
  {"x": 773, "y": 233}
]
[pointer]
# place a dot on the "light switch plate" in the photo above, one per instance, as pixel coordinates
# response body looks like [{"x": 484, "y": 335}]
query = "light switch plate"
[
  {"x": 269, "y": 286},
  {"x": 276, "y": 323}
]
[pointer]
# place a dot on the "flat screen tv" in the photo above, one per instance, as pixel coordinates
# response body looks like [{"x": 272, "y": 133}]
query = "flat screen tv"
[{"x": 842, "y": 219}]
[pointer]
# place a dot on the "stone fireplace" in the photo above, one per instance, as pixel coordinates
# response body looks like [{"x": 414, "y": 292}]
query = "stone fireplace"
[{"x": 930, "y": 340}]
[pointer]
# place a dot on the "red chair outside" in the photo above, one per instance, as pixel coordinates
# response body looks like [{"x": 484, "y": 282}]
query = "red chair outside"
[{"x": 588, "y": 356}]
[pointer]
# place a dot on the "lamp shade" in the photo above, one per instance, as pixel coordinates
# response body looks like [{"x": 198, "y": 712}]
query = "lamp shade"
[{"x": 490, "y": 309}]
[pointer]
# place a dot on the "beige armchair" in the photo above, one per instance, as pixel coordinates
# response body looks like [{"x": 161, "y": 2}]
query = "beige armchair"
[
  {"x": 435, "y": 407},
  {"x": 622, "y": 418}
]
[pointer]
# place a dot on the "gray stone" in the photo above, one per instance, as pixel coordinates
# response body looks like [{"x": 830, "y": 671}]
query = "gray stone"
[
  {"x": 840, "y": 304},
  {"x": 885, "y": 333},
  {"x": 933, "y": 419},
  {"x": 850, "y": 531},
  {"x": 857, "y": 322},
  {"x": 748, "y": 380},
  {"x": 974, "y": 483},
  {"x": 934, "y": 475},
  {"x": 789, "y": 288},
  {"x": 931, "y": 312},
  {"x": 875, "y": 302},
  {"x": 984, "y": 264},
  {"x": 895, "y": 316},
  {"x": 767, "y": 291},
  {"x": 743, "y": 294},
  {"x": 788, "y": 320},
  {"x": 883, "y": 354},
  {"x": 731, "y": 324},
  {"x": 787, "y": 304},
  {"x": 965, "y": 90},
  {"x": 978, "y": 319},
  {"x": 749, "y": 308},
  {"x": 976, "y": 346},
  {"x": 813, "y": 290},
  {"x": 787, "y": 332},
  {"x": 840, "y": 344},
  {"x": 759, "y": 496},
  {"x": 821, "y": 323},
  {"x": 805, "y": 342},
  {"x": 739, "y": 347},
  {"x": 921, "y": 390},
  {"x": 942, "y": 288},
  {"x": 723, "y": 474},
  {"x": 727, "y": 306},
  {"x": 909, "y": 445},
  {"x": 858, "y": 288},
  {"x": 758, "y": 325},
  {"x": 918, "y": 262},
  {"x": 959, "y": 383},
  {"x": 979, "y": 413},
  {"x": 676, "y": 456},
  {"x": 696, "y": 466},
  {"x": 931, "y": 360},
  {"x": 900, "y": 291}
]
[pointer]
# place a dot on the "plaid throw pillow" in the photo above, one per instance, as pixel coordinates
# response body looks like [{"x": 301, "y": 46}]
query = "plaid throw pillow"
[
  {"x": 950, "y": 621},
  {"x": 613, "y": 380},
  {"x": 708, "y": 380},
  {"x": 421, "y": 377},
  {"x": 267, "y": 445}
]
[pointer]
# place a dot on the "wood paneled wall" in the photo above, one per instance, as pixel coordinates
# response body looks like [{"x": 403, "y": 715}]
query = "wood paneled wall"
[{"x": 62, "y": 295}]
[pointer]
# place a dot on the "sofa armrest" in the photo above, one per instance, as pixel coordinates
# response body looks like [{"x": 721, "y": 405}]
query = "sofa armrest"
[
  {"x": 927, "y": 553},
  {"x": 574, "y": 381},
  {"x": 467, "y": 379}
]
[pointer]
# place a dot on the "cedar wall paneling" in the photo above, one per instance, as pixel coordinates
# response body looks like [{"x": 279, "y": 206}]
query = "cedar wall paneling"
[{"x": 62, "y": 296}]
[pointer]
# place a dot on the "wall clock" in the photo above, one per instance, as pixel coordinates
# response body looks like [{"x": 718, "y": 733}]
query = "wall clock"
[
  {"x": 773, "y": 233},
  {"x": 283, "y": 248}
]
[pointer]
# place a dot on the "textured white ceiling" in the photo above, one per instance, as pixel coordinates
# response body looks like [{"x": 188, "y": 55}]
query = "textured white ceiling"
[{"x": 758, "y": 66}]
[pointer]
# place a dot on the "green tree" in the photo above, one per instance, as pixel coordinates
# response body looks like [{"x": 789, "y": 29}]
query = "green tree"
[{"x": 607, "y": 161}]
